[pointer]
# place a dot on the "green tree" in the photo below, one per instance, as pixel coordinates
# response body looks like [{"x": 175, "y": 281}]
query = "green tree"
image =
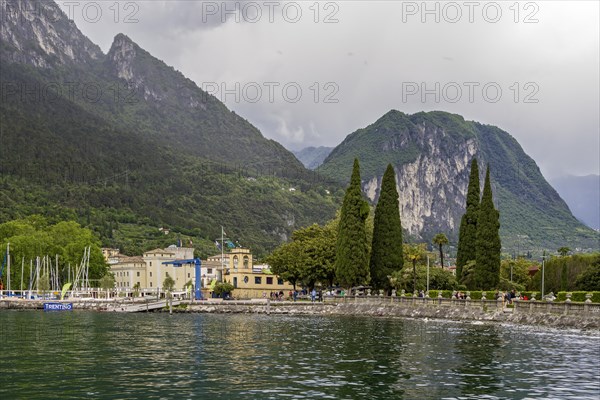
[
  {"x": 107, "y": 282},
  {"x": 467, "y": 235},
  {"x": 386, "y": 247},
  {"x": 589, "y": 279},
  {"x": 34, "y": 236},
  {"x": 439, "y": 279},
  {"x": 440, "y": 240},
  {"x": 309, "y": 257},
  {"x": 318, "y": 254},
  {"x": 285, "y": 261},
  {"x": 352, "y": 258},
  {"x": 520, "y": 270},
  {"x": 562, "y": 273},
  {"x": 487, "y": 265},
  {"x": 168, "y": 283},
  {"x": 563, "y": 251},
  {"x": 136, "y": 289},
  {"x": 468, "y": 275},
  {"x": 223, "y": 289},
  {"x": 414, "y": 253},
  {"x": 44, "y": 284}
]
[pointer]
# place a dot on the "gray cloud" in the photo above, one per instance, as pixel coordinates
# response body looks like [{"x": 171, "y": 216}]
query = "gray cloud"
[{"x": 379, "y": 56}]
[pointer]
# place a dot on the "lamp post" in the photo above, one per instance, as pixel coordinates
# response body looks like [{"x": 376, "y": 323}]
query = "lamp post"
[
  {"x": 543, "y": 265},
  {"x": 428, "y": 273}
]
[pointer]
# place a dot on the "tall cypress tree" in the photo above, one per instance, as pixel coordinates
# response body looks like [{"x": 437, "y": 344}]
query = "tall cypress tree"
[
  {"x": 468, "y": 224},
  {"x": 352, "y": 253},
  {"x": 487, "y": 267},
  {"x": 386, "y": 247}
]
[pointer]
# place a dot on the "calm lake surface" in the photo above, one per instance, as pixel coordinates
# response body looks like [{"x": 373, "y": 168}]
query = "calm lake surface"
[{"x": 199, "y": 356}]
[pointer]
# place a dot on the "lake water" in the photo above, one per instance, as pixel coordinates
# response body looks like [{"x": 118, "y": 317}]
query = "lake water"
[{"x": 199, "y": 356}]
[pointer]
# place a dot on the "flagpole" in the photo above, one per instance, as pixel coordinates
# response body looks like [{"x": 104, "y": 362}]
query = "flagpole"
[
  {"x": 222, "y": 253},
  {"x": 8, "y": 268}
]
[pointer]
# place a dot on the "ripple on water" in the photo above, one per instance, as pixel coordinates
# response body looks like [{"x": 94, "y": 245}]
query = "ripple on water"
[{"x": 152, "y": 356}]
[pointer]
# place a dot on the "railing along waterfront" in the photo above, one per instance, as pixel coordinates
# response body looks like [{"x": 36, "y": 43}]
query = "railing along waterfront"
[{"x": 517, "y": 306}]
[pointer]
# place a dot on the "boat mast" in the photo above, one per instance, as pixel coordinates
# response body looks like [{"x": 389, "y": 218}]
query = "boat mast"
[{"x": 8, "y": 267}]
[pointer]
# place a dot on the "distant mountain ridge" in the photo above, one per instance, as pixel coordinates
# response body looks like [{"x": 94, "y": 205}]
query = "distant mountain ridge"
[
  {"x": 312, "y": 157},
  {"x": 431, "y": 153},
  {"x": 582, "y": 194},
  {"x": 123, "y": 138}
]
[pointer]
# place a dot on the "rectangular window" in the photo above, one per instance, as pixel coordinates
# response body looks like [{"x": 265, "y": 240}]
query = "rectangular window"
[
  {"x": 209, "y": 271},
  {"x": 150, "y": 274},
  {"x": 150, "y": 284},
  {"x": 269, "y": 280},
  {"x": 257, "y": 280},
  {"x": 150, "y": 263},
  {"x": 188, "y": 274},
  {"x": 279, "y": 281},
  {"x": 138, "y": 274}
]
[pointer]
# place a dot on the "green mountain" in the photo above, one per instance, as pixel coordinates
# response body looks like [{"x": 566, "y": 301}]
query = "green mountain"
[
  {"x": 125, "y": 144},
  {"x": 313, "y": 157},
  {"x": 431, "y": 153}
]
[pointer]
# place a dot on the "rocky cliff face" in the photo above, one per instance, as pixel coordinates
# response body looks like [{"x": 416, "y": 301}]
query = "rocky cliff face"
[
  {"x": 40, "y": 34},
  {"x": 432, "y": 188},
  {"x": 431, "y": 153},
  {"x": 147, "y": 75}
]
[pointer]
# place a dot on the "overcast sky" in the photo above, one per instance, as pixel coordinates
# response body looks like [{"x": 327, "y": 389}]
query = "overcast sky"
[{"x": 531, "y": 69}]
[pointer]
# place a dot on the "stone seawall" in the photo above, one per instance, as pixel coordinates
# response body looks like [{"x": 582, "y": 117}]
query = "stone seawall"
[
  {"x": 92, "y": 305},
  {"x": 397, "y": 310},
  {"x": 554, "y": 316}
]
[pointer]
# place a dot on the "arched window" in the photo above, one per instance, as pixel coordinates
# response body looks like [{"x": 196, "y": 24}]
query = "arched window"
[
  {"x": 235, "y": 261},
  {"x": 246, "y": 261}
]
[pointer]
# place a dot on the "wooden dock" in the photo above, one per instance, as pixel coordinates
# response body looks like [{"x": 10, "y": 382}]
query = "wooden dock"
[{"x": 141, "y": 307}]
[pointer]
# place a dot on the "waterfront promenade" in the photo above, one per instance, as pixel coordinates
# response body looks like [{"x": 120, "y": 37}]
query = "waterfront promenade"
[{"x": 544, "y": 313}]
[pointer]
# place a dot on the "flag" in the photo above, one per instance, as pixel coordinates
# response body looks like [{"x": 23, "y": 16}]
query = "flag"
[
  {"x": 65, "y": 289},
  {"x": 218, "y": 244},
  {"x": 230, "y": 244}
]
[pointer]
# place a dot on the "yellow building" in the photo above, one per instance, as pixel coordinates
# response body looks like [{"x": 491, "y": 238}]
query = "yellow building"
[
  {"x": 156, "y": 270},
  {"x": 249, "y": 281},
  {"x": 128, "y": 272},
  {"x": 236, "y": 267}
]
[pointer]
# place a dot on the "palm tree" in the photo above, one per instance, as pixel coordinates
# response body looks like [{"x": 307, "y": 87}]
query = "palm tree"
[
  {"x": 564, "y": 251},
  {"x": 169, "y": 285},
  {"x": 414, "y": 253},
  {"x": 440, "y": 239}
]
